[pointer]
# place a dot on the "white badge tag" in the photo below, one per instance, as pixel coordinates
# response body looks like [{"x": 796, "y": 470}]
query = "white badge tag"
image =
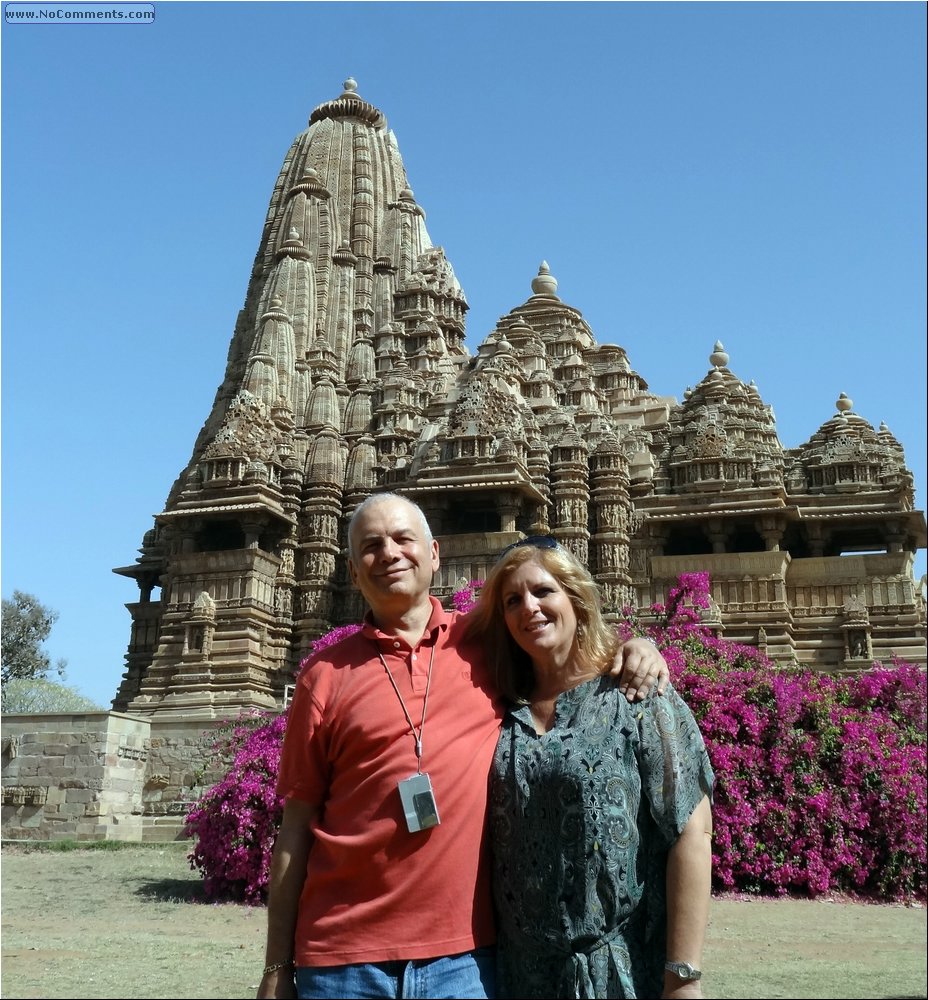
[{"x": 418, "y": 802}]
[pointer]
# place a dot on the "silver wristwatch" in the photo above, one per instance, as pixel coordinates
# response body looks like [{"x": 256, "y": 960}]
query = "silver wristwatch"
[{"x": 683, "y": 970}]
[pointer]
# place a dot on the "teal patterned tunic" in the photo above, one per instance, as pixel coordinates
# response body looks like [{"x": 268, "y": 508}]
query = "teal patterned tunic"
[{"x": 581, "y": 820}]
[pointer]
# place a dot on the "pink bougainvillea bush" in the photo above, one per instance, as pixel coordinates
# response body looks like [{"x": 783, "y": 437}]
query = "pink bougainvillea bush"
[
  {"x": 235, "y": 822},
  {"x": 820, "y": 780}
]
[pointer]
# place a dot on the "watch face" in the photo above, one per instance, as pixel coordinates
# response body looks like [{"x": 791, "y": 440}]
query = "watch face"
[{"x": 684, "y": 970}]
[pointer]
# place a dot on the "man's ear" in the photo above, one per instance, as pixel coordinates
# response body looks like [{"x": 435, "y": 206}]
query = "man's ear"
[
  {"x": 353, "y": 573},
  {"x": 436, "y": 562}
]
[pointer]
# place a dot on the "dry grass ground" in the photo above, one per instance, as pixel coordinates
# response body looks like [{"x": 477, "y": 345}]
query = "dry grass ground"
[{"x": 133, "y": 923}]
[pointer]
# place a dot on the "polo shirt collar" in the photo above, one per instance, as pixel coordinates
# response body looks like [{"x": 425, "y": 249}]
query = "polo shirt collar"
[{"x": 439, "y": 620}]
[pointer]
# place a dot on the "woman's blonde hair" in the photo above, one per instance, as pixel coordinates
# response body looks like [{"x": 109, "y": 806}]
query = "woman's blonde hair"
[{"x": 597, "y": 642}]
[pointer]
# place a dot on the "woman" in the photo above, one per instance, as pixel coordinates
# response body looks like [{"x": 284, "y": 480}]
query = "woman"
[{"x": 599, "y": 809}]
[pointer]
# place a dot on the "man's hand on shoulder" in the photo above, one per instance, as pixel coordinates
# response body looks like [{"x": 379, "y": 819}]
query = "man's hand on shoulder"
[{"x": 639, "y": 666}]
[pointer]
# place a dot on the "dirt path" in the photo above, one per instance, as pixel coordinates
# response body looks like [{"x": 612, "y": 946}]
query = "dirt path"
[{"x": 132, "y": 923}]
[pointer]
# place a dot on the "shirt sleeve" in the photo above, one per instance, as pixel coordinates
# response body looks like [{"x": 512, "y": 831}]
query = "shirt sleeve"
[{"x": 675, "y": 768}]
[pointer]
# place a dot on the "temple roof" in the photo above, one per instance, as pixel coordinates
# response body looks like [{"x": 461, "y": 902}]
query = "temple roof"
[
  {"x": 846, "y": 454},
  {"x": 722, "y": 436},
  {"x": 349, "y": 105}
]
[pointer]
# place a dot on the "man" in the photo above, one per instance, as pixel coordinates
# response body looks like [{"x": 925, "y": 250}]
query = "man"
[{"x": 379, "y": 882}]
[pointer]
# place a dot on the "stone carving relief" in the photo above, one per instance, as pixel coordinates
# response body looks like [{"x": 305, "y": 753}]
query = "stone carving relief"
[
  {"x": 203, "y": 607},
  {"x": 855, "y": 610},
  {"x": 484, "y": 409},
  {"x": 434, "y": 272},
  {"x": 283, "y": 600},
  {"x": 247, "y": 432},
  {"x": 637, "y": 562},
  {"x": 710, "y": 442},
  {"x": 25, "y": 795},
  {"x": 858, "y": 644},
  {"x": 200, "y": 626},
  {"x": 286, "y": 561}
]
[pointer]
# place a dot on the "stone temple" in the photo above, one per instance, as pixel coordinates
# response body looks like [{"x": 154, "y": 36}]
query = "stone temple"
[{"x": 348, "y": 375}]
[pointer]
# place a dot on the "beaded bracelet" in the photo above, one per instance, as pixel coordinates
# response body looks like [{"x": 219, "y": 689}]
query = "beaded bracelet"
[{"x": 276, "y": 966}]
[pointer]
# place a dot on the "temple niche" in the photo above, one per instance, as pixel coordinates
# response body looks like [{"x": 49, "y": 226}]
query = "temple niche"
[{"x": 348, "y": 374}]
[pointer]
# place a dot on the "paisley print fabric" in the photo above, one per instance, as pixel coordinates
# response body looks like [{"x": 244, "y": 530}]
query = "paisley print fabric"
[{"x": 581, "y": 820}]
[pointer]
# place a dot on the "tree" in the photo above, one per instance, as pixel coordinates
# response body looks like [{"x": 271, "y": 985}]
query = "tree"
[
  {"x": 26, "y": 624},
  {"x": 38, "y": 696}
]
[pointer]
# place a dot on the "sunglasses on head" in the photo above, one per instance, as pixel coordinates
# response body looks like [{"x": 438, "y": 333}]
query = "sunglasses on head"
[{"x": 536, "y": 542}]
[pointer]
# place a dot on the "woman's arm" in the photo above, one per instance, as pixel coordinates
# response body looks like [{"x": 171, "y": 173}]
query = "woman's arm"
[{"x": 689, "y": 885}]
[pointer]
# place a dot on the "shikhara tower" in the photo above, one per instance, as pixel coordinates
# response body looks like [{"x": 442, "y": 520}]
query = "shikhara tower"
[{"x": 347, "y": 375}]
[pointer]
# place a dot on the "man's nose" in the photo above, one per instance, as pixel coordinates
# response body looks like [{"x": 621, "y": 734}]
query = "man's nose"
[{"x": 390, "y": 551}]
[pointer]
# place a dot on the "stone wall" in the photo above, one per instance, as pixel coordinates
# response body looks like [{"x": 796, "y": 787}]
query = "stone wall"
[
  {"x": 102, "y": 776},
  {"x": 181, "y": 765},
  {"x": 74, "y": 776}
]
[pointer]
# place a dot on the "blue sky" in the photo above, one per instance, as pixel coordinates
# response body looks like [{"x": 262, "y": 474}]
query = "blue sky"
[{"x": 747, "y": 172}]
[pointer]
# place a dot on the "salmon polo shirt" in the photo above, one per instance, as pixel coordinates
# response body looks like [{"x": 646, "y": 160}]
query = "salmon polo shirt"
[{"x": 375, "y": 892}]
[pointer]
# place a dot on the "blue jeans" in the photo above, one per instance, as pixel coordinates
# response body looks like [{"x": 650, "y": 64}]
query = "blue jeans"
[{"x": 470, "y": 976}]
